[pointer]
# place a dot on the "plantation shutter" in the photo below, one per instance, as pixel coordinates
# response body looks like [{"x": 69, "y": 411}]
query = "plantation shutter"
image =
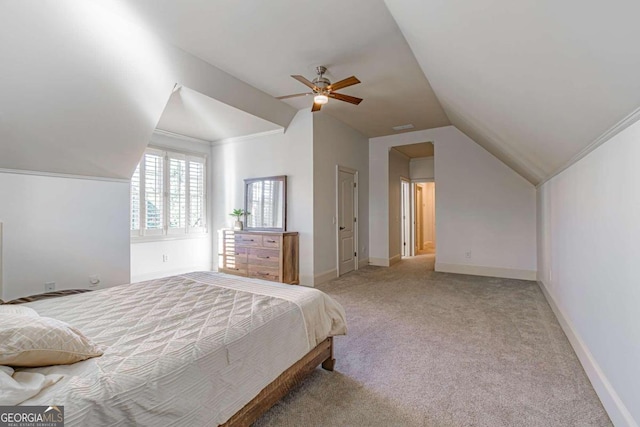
[
  {"x": 197, "y": 195},
  {"x": 168, "y": 194},
  {"x": 154, "y": 191},
  {"x": 177, "y": 193},
  {"x": 135, "y": 201}
]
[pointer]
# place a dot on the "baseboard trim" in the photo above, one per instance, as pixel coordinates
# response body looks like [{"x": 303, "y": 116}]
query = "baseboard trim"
[
  {"x": 380, "y": 262},
  {"x": 363, "y": 263},
  {"x": 321, "y": 278},
  {"x": 394, "y": 259},
  {"x": 618, "y": 412},
  {"x": 478, "y": 270}
]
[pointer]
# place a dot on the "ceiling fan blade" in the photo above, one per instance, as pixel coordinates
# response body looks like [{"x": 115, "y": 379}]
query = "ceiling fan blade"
[
  {"x": 306, "y": 82},
  {"x": 345, "y": 98},
  {"x": 316, "y": 107},
  {"x": 294, "y": 95},
  {"x": 349, "y": 81}
]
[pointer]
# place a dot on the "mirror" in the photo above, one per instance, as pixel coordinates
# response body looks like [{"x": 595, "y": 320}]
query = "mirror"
[{"x": 266, "y": 201}]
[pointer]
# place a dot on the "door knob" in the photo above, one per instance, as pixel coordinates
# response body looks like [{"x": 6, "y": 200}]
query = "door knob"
[{"x": 342, "y": 228}]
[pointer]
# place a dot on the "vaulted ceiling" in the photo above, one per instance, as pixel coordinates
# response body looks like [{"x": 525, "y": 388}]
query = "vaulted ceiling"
[
  {"x": 535, "y": 82},
  {"x": 264, "y": 42}
]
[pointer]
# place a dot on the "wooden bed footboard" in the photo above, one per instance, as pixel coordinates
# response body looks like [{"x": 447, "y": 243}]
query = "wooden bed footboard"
[{"x": 271, "y": 394}]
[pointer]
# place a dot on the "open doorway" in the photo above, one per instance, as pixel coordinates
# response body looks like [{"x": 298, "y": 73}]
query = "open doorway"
[
  {"x": 412, "y": 223},
  {"x": 425, "y": 218}
]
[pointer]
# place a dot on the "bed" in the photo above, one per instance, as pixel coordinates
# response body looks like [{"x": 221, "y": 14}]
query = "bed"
[{"x": 195, "y": 349}]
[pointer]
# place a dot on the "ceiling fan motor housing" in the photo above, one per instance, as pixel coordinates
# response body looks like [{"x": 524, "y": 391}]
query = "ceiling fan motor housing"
[{"x": 321, "y": 82}]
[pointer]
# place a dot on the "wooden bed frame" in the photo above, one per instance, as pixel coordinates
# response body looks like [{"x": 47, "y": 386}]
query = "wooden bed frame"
[{"x": 271, "y": 394}]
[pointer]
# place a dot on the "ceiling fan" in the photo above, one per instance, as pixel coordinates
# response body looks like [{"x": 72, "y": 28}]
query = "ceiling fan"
[{"x": 323, "y": 89}]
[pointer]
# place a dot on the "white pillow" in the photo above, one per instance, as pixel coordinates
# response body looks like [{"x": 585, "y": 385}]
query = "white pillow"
[
  {"x": 29, "y": 341},
  {"x": 18, "y": 310}
]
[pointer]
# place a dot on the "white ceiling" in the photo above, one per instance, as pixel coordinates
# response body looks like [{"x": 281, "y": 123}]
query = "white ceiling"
[
  {"x": 191, "y": 113},
  {"x": 263, "y": 43},
  {"x": 534, "y": 82},
  {"x": 413, "y": 151}
]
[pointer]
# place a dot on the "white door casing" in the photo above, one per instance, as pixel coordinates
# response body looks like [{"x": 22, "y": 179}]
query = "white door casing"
[
  {"x": 419, "y": 218},
  {"x": 347, "y": 216},
  {"x": 405, "y": 215}
]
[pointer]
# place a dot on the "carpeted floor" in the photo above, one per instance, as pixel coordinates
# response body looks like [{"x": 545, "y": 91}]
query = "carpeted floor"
[{"x": 438, "y": 349}]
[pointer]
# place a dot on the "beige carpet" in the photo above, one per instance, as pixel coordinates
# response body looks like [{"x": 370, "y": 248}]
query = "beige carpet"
[{"x": 438, "y": 349}]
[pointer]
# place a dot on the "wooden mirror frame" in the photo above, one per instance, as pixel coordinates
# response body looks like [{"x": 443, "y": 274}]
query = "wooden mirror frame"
[{"x": 249, "y": 181}]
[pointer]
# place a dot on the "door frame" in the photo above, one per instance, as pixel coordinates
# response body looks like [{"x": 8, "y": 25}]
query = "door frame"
[
  {"x": 419, "y": 225},
  {"x": 356, "y": 243},
  {"x": 406, "y": 218}
]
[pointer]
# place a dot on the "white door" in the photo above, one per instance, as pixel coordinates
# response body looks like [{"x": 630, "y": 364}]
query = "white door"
[{"x": 346, "y": 221}]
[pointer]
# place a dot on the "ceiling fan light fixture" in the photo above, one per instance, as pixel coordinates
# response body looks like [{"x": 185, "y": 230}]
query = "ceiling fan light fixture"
[{"x": 320, "y": 99}]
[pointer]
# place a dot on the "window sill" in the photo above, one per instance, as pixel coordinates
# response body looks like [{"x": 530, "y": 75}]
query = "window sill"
[{"x": 164, "y": 238}]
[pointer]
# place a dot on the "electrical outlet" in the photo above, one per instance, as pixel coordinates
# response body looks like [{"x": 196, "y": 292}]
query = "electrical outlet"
[
  {"x": 50, "y": 286},
  {"x": 467, "y": 254},
  {"x": 165, "y": 258}
]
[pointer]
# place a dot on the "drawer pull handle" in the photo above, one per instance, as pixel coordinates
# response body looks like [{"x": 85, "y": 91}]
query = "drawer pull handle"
[
  {"x": 263, "y": 257},
  {"x": 271, "y": 241},
  {"x": 247, "y": 240}
]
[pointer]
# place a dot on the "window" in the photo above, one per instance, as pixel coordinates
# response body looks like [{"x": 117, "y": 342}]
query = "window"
[{"x": 168, "y": 194}]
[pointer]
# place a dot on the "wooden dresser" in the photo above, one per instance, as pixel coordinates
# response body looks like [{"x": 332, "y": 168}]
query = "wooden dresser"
[{"x": 260, "y": 254}]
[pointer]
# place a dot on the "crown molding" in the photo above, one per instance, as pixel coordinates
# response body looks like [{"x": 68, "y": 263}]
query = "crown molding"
[
  {"x": 63, "y": 175},
  {"x": 170, "y": 134},
  {"x": 610, "y": 133},
  {"x": 247, "y": 137}
]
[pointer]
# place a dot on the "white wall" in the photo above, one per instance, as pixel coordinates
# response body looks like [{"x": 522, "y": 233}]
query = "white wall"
[
  {"x": 62, "y": 230},
  {"x": 289, "y": 153},
  {"x": 335, "y": 143},
  {"x": 398, "y": 168},
  {"x": 182, "y": 256},
  {"x": 86, "y": 90},
  {"x": 482, "y": 206},
  {"x": 160, "y": 258},
  {"x": 588, "y": 257},
  {"x": 422, "y": 168}
]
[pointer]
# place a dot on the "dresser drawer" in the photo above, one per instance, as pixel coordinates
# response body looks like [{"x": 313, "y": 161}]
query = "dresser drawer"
[
  {"x": 263, "y": 256},
  {"x": 240, "y": 269},
  {"x": 264, "y": 272},
  {"x": 271, "y": 241},
  {"x": 247, "y": 239}
]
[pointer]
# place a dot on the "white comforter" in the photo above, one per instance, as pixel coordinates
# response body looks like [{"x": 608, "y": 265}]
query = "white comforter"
[{"x": 185, "y": 350}]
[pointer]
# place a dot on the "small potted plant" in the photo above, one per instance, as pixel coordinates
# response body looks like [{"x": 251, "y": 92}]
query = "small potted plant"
[{"x": 238, "y": 213}]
